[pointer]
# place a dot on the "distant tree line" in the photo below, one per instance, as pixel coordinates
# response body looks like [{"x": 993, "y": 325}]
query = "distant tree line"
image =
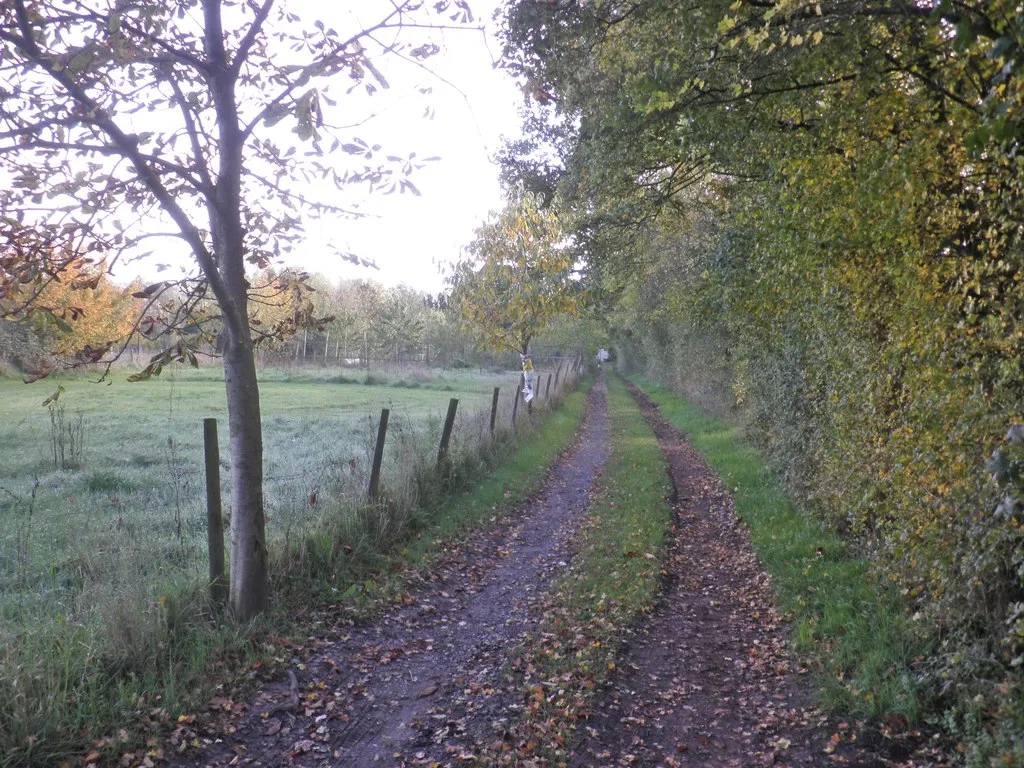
[{"x": 309, "y": 321}]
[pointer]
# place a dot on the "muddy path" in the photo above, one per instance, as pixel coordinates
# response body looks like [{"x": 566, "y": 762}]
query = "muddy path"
[
  {"x": 708, "y": 678},
  {"x": 378, "y": 694}
]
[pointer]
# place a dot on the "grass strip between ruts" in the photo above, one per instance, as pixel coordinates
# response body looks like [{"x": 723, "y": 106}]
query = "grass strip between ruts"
[
  {"x": 850, "y": 628},
  {"x": 611, "y": 581}
]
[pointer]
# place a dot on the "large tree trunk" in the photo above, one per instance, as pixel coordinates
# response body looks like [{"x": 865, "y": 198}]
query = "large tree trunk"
[{"x": 249, "y": 591}]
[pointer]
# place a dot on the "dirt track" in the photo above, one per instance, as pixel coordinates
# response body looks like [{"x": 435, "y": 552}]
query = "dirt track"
[
  {"x": 708, "y": 679},
  {"x": 705, "y": 680},
  {"x": 378, "y": 694}
]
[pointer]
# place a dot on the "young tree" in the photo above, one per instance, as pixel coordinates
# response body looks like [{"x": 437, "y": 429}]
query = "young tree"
[
  {"x": 399, "y": 327},
  {"x": 516, "y": 277},
  {"x": 121, "y": 120}
]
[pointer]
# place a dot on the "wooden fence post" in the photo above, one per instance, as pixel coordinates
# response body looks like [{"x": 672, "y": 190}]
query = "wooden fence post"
[
  {"x": 494, "y": 407},
  {"x": 378, "y": 455},
  {"x": 547, "y": 389},
  {"x": 557, "y": 374},
  {"x": 515, "y": 403},
  {"x": 446, "y": 433},
  {"x": 214, "y": 520}
]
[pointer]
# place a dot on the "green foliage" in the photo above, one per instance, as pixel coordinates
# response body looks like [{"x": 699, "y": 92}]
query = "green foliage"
[
  {"x": 568, "y": 334},
  {"x": 807, "y": 214},
  {"x": 517, "y": 277},
  {"x": 20, "y": 349}
]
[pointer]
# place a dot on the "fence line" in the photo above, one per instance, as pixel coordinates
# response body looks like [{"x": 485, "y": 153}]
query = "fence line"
[
  {"x": 373, "y": 490},
  {"x": 171, "y": 515}
]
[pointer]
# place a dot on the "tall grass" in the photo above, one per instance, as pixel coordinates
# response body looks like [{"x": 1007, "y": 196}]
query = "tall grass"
[
  {"x": 850, "y": 626},
  {"x": 107, "y": 634}
]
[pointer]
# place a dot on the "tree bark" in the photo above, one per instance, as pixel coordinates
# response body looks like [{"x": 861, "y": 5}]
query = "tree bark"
[{"x": 248, "y": 581}]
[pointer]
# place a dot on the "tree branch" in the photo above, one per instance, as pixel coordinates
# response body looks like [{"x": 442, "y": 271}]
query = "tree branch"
[
  {"x": 250, "y": 36},
  {"x": 336, "y": 57},
  {"x": 180, "y": 56},
  {"x": 193, "y": 134},
  {"x": 302, "y": 200},
  {"x": 127, "y": 144}
]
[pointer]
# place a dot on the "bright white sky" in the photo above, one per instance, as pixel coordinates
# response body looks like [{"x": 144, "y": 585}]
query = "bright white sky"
[{"x": 407, "y": 235}]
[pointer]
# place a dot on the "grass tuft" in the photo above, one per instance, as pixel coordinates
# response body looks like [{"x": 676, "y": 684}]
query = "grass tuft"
[{"x": 103, "y": 481}]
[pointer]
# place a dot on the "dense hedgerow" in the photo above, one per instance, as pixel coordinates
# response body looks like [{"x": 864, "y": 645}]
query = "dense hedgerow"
[{"x": 809, "y": 212}]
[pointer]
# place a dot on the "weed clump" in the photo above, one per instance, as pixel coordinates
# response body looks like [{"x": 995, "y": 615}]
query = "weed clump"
[
  {"x": 104, "y": 481},
  {"x": 67, "y": 437}
]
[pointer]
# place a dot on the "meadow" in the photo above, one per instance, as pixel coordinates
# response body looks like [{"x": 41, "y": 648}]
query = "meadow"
[
  {"x": 126, "y": 511},
  {"x": 106, "y": 631}
]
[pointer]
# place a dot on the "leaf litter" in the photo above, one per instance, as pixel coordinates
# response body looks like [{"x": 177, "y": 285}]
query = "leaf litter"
[
  {"x": 400, "y": 688},
  {"x": 440, "y": 679}
]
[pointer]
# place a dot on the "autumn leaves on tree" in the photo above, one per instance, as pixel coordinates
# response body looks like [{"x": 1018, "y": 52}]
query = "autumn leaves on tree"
[
  {"x": 809, "y": 213},
  {"x": 517, "y": 275}
]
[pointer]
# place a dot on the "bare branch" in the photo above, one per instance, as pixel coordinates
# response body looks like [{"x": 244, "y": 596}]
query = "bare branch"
[{"x": 250, "y": 36}]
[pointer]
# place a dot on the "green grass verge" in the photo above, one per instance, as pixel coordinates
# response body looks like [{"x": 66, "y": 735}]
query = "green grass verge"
[
  {"x": 474, "y": 490},
  {"x": 611, "y": 581},
  {"x": 851, "y": 628},
  {"x": 69, "y": 690}
]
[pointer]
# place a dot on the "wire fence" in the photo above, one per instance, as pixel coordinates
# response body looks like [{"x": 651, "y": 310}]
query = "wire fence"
[{"x": 86, "y": 559}]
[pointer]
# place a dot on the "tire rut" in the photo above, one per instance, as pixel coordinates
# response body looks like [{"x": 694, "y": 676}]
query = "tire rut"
[
  {"x": 377, "y": 694},
  {"x": 708, "y": 678}
]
